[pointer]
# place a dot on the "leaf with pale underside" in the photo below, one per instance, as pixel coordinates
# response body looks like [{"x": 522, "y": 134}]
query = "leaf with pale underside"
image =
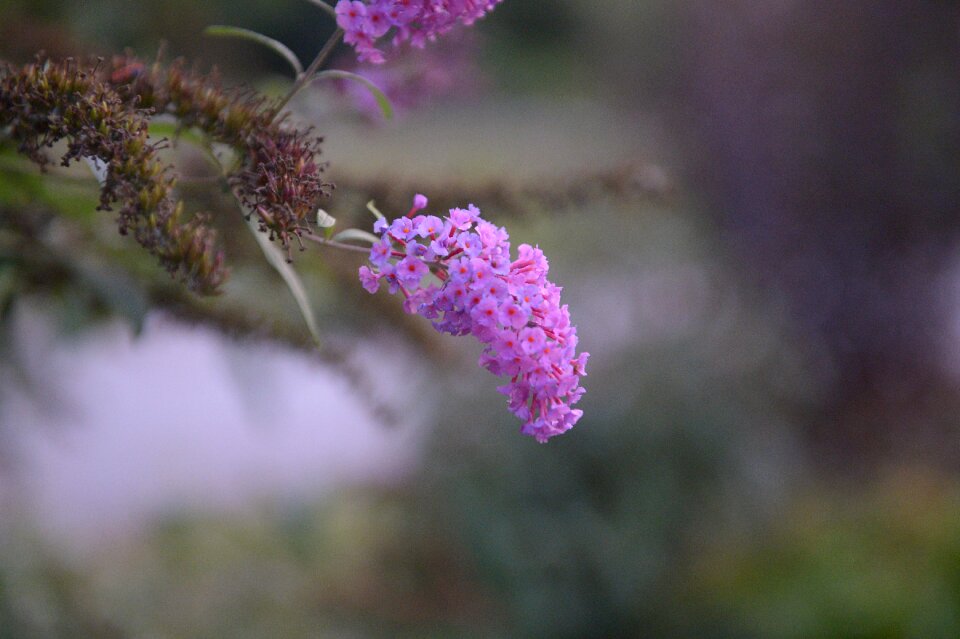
[
  {"x": 278, "y": 260},
  {"x": 223, "y": 31},
  {"x": 372, "y": 207},
  {"x": 324, "y": 219}
]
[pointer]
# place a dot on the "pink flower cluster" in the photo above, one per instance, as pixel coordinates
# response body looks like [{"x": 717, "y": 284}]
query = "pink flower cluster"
[
  {"x": 416, "y": 21},
  {"x": 457, "y": 272}
]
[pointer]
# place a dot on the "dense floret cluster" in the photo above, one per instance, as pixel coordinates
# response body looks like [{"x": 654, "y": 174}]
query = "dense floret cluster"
[
  {"x": 413, "y": 21},
  {"x": 457, "y": 272}
]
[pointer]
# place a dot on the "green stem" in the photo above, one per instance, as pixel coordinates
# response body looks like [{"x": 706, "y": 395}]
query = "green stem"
[{"x": 307, "y": 75}]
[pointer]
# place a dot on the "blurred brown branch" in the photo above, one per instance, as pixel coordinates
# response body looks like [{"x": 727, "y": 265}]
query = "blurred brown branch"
[{"x": 637, "y": 179}]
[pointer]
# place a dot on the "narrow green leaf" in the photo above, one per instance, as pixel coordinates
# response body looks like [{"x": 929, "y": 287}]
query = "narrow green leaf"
[
  {"x": 278, "y": 260},
  {"x": 326, "y": 7},
  {"x": 355, "y": 234},
  {"x": 382, "y": 101},
  {"x": 372, "y": 207},
  {"x": 222, "y": 31}
]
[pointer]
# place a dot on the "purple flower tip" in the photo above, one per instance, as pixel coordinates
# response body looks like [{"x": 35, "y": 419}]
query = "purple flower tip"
[{"x": 458, "y": 273}]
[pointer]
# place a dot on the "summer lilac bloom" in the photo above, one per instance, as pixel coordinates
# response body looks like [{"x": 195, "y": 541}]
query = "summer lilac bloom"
[
  {"x": 457, "y": 272},
  {"x": 414, "y": 21}
]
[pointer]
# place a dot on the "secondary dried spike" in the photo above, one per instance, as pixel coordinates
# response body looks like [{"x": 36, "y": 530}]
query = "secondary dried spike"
[
  {"x": 279, "y": 179},
  {"x": 45, "y": 102}
]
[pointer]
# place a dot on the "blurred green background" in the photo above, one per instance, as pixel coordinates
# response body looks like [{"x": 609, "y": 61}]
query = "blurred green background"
[{"x": 752, "y": 208}]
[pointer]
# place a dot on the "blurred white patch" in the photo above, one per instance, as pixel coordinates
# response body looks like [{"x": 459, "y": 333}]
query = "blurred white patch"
[{"x": 182, "y": 418}]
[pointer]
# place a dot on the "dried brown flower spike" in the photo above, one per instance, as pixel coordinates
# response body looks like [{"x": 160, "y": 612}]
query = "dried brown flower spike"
[
  {"x": 279, "y": 179},
  {"x": 45, "y": 102},
  {"x": 103, "y": 114}
]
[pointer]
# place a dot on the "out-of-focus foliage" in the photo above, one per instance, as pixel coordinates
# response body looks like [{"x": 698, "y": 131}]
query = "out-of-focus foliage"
[
  {"x": 875, "y": 562},
  {"x": 723, "y": 481},
  {"x": 106, "y": 27},
  {"x": 586, "y": 536}
]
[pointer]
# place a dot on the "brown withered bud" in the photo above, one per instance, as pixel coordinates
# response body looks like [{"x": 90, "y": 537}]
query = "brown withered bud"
[
  {"x": 281, "y": 182},
  {"x": 279, "y": 179},
  {"x": 45, "y": 102}
]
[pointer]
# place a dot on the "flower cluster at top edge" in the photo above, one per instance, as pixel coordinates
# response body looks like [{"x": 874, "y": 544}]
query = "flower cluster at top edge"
[{"x": 413, "y": 21}]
